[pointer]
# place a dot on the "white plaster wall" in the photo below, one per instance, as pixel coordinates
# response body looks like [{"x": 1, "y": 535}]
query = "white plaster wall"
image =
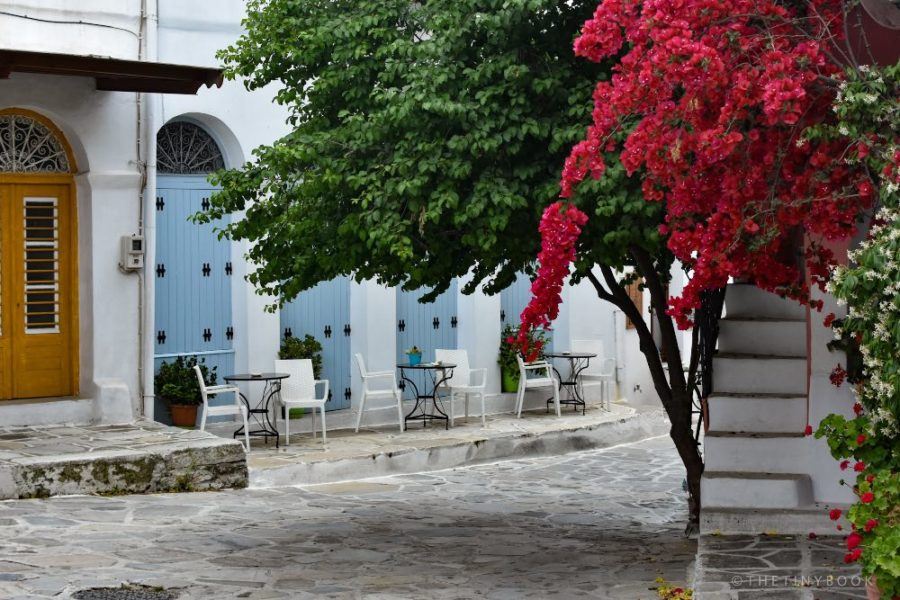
[
  {"x": 824, "y": 399},
  {"x": 479, "y": 332},
  {"x": 373, "y": 319},
  {"x": 95, "y": 27},
  {"x": 101, "y": 127}
]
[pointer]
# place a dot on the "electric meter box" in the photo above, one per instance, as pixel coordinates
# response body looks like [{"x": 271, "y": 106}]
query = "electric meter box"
[{"x": 132, "y": 252}]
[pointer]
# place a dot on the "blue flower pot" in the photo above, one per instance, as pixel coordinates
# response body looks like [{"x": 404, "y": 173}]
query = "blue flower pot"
[{"x": 414, "y": 359}]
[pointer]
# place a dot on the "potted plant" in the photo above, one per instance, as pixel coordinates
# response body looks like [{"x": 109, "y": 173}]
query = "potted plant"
[
  {"x": 176, "y": 383},
  {"x": 295, "y": 348},
  {"x": 414, "y": 355},
  {"x": 509, "y": 350}
]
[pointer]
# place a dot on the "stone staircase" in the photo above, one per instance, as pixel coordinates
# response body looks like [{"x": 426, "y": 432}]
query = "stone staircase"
[{"x": 755, "y": 449}]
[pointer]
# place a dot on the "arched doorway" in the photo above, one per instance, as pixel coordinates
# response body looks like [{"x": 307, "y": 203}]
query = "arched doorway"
[
  {"x": 193, "y": 267},
  {"x": 38, "y": 259}
]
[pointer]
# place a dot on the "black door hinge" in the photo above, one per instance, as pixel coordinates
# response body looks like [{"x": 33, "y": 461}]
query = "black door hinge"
[
  {"x": 435, "y": 322},
  {"x": 161, "y": 337},
  {"x": 160, "y": 203},
  {"x": 160, "y": 270},
  {"x": 229, "y": 333},
  {"x": 328, "y": 331},
  {"x": 401, "y": 326},
  {"x": 207, "y": 335},
  {"x": 206, "y": 270},
  {"x": 453, "y": 322},
  {"x": 228, "y": 268},
  {"x": 347, "y": 329},
  {"x": 288, "y": 333}
]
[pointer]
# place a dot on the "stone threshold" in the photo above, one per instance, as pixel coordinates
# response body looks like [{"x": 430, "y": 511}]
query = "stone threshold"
[
  {"x": 385, "y": 451},
  {"x": 134, "y": 458}
]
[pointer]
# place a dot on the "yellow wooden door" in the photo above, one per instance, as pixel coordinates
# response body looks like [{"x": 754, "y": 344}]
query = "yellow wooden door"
[
  {"x": 38, "y": 292},
  {"x": 5, "y": 289}
]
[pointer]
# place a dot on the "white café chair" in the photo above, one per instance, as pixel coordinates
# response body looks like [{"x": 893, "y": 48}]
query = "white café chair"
[
  {"x": 238, "y": 408},
  {"x": 299, "y": 391},
  {"x": 545, "y": 378},
  {"x": 600, "y": 371},
  {"x": 462, "y": 381},
  {"x": 367, "y": 392}
]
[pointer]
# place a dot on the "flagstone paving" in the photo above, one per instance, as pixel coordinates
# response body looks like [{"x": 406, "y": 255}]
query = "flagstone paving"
[
  {"x": 783, "y": 567},
  {"x": 596, "y": 524}
]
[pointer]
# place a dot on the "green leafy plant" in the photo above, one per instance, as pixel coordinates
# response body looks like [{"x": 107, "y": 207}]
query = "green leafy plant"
[
  {"x": 414, "y": 350},
  {"x": 870, "y": 333},
  {"x": 176, "y": 382},
  {"x": 308, "y": 347}
]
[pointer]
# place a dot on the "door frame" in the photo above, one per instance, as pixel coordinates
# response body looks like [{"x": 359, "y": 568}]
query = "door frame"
[{"x": 68, "y": 180}]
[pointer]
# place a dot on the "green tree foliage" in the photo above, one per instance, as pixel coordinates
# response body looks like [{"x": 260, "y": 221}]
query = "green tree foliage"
[
  {"x": 426, "y": 140},
  {"x": 426, "y": 137}
]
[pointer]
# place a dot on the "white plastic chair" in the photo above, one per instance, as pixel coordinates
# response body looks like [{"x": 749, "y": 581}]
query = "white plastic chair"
[
  {"x": 367, "y": 392},
  {"x": 600, "y": 371},
  {"x": 238, "y": 408},
  {"x": 299, "y": 391},
  {"x": 462, "y": 381},
  {"x": 525, "y": 383}
]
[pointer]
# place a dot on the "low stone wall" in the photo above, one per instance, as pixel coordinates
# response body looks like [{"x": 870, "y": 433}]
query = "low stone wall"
[{"x": 145, "y": 458}]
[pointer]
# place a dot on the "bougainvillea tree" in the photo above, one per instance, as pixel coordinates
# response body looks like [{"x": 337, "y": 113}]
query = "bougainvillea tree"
[
  {"x": 714, "y": 97},
  {"x": 712, "y": 109}
]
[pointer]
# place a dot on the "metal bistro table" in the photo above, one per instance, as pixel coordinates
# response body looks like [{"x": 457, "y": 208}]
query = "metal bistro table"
[
  {"x": 260, "y": 413},
  {"x": 439, "y": 373},
  {"x": 578, "y": 362}
]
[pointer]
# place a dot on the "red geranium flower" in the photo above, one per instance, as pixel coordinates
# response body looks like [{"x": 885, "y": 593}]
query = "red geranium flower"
[
  {"x": 870, "y": 525},
  {"x": 859, "y": 467},
  {"x": 853, "y": 540},
  {"x": 835, "y": 514},
  {"x": 808, "y": 430},
  {"x": 861, "y": 439},
  {"x": 867, "y": 498},
  {"x": 844, "y": 465},
  {"x": 857, "y": 408}
]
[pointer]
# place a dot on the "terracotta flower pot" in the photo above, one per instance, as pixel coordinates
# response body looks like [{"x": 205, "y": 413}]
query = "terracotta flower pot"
[{"x": 183, "y": 415}]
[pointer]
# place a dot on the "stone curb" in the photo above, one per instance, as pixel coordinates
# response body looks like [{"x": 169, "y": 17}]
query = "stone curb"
[{"x": 630, "y": 428}]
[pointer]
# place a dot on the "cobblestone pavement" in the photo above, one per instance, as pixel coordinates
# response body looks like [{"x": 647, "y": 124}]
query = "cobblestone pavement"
[
  {"x": 579, "y": 525},
  {"x": 768, "y": 567}
]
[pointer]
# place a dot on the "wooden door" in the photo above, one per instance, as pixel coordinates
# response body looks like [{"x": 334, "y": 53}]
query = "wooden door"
[{"x": 38, "y": 346}]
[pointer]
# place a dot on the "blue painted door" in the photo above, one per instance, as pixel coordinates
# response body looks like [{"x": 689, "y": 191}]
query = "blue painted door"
[
  {"x": 324, "y": 313},
  {"x": 193, "y": 274},
  {"x": 428, "y": 326},
  {"x": 513, "y": 301}
]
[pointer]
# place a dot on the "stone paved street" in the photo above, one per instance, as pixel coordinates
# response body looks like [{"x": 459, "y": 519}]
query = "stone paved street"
[{"x": 579, "y": 525}]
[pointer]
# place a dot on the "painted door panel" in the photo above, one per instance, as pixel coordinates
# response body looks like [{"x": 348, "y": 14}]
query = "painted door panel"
[
  {"x": 324, "y": 313},
  {"x": 5, "y": 292},
  {"x": 38, "y": 340},
  {"x": 427, "y": 326},
  {"x": 193, "y": 279}
]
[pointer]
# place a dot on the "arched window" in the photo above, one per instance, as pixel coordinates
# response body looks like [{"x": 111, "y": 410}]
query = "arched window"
[
  {"x": 29, "y": 146},
  {"x": 186, "y": 149}
]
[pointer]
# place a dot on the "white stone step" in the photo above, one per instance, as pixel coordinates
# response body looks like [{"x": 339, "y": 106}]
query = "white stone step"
[
  {"x": 776, "y": 337},
  {"x": 747, "y": 300},
  {"x": 751, "y": 374},
  {"x": 755, "y": 452},
  {"x": 757, "y": 413},
  {"x": 730, "y": 489}
]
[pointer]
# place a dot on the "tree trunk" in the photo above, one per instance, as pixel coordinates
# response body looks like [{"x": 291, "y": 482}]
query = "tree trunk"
[{"x": 675, "y": 391}]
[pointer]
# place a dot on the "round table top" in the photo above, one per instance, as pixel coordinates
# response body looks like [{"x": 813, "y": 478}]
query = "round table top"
[
  {"x": 426, "y": 366},
  {"x": 256, "y": 377},
  {"x": 571, "y": 355}
]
